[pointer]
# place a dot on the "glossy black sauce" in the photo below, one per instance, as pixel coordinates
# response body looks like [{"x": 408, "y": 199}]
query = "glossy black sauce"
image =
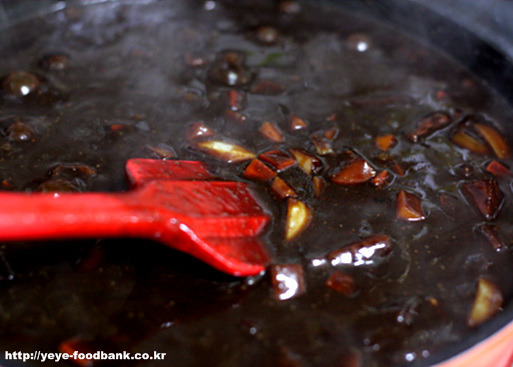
[{"x": 138, "y": 76}]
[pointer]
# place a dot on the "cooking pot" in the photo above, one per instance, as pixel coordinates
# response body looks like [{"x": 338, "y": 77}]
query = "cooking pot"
[{"x": 479, "y": 35}]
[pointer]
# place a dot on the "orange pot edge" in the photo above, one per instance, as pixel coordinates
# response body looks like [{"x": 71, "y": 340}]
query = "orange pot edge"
[{"x": 495, "y": 351}]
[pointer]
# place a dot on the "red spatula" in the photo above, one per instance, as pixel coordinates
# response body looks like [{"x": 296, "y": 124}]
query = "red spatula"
[{"x": 177, "y": 203}]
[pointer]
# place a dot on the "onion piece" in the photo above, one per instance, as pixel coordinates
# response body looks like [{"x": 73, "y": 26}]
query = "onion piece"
[
  {"x": 258, "y": 171},
  {"x": 408, "y": 207},
  {"x": 298, "y": 218},
  {"x": 464, "y": 140},
  {"x": 306, "y": 161},
  {"x": 278, "y": 159},
  {"x": 494, "y": 139},
  {"x": 225, "y": 151},
  {"x": 342, "y": 283},
  {"x": 234, "y": 116},
  {"x": 485, "y": 195},
  {"x": 498, "y": 169},
  {"x": 322, "y": 144},
  {"x": 282, "y": 189},
  {"x": 297, "y": 123},
  {"x": 197, "y": 130},
  {"x": 385, "y": 142},
  {"x": 162, "y": 151},
  {"x": 487, "y": 302},
  {"x": 271, "y": 131},
  {"x": 236, "y": 100},
  {"x": 318, "y": 184},
  {"x": 362, "y": 252},
  {"x": 490, "y": 232},
  {"x": 331, "y": 133},
  {"x": 429, "y": 124},
  {"x": 357, "y": 171},
  {"x": 380, "y": 178}
]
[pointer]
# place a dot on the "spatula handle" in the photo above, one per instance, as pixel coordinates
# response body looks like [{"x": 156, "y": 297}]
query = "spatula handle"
[
  {"x": 217, "y": 222},
  {"x": 25, "y": 216}
]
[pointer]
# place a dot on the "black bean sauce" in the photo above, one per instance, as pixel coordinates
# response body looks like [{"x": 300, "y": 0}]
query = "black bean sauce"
[{"x": 409, "y": 188}]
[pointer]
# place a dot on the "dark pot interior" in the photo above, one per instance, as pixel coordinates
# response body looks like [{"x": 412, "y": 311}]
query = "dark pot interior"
[{"x": 476, "y": 36}]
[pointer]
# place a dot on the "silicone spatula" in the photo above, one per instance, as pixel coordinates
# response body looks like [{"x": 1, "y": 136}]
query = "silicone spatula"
[{"x": 177, "y": 203}]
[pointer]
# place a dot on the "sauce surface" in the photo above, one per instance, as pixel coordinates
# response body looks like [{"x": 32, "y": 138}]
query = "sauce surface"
[{"x": 87, "y": 88}]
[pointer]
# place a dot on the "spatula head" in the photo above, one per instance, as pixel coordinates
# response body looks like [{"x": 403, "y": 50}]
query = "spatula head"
[
  {"x": 218, "y": 221},
  {"x": 141, "y": 171}
]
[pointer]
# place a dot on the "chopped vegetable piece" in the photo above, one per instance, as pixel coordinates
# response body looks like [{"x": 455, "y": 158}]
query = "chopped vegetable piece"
[
  {"x": 298, "y": 218},
  {"x": 230, "y": 70},
  {"x": 297, "y": 123},
  {"x": 485, "y": 195},
  {"x": 81, "y": 348},
  {"x": 162, "y": 151},
  {"x": 380, "y": 178},
  {"x": 199, "y": 130},
  {"x": 498, "y": 169},
  {"x": 72, "y": 170},
  {"x": 362, "y": 252},
  {"x": 271, "y": 131},
  {"x": 282, "y": 189},
  {"x": 318, "y": 184},
  {"x": 430, "y": 124},
  {"x": 237, "y": 100},
  {"x": 464, "y": 140},
  {"x": 288, "y": 281},
  {"x": 331, "y": 133},
  {"x": 20, "y": 83},
  {"x": 408, "y": 207},
  {"x": 398, "y": 169},
  {"x": 307, "y": 162},
  {"x": 267, "y": 88},
  {"x": 390, "y": 162},
  {"x": 385, "y": 142},
  {"x": 257, "y": 170},
  {"x": 20, "y": 131},
  {"x": 234, "y": 116},
  {"x": 57, "y": 185},
  {"x": 278, "y": 159},
  {"x": 487, "y": 302},
  {"x": 490, "y": 231},
  {"x": 342, "y": 283},
  {"x": 322, "y": 144},
  {"x": 227, "y": 152},
  {"x": 494, "y": 139},
  {"x": 357, "y": 171}
]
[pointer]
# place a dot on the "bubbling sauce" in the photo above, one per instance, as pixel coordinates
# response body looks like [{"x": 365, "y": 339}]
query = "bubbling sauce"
[{"x": 384, "y": 164}]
